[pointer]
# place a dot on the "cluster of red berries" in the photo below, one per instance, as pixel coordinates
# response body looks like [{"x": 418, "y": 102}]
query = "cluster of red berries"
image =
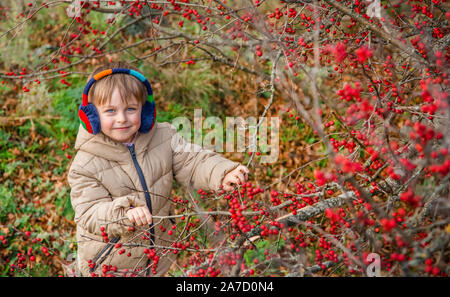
[
  {"x": 349, "y": 93},
  {"x": 64, "y": 147},
  {"x": 349, "y": 145},
  {"x": 239, "y": 220},
  {"x": 104, "y": 234},
  {"x": 346, "y": 165},
  {"x": 153, "y": 257},
  {"x": 3, "y": 240},
  {"x": 410, "y": 198},
  {"x": 324, "y": 177}
]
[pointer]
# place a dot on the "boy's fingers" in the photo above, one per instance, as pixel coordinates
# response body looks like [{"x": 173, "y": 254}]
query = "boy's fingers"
[
  {"x": 140, "y": 216},
  {"x": 148, "y": 216},
  {"x": 240, "y": 177},
  {"x": 135, "y": 220},
  {"x": 130, "y": 215},
  {"x": 139, "y": 221},
  {"x": 243, "y": 168},
  {"x": 144, "y": 216},
  {"x": 227, "y": 186},
  {"x": 246, "y": 170},
  {"x": 234, "y": 179}
]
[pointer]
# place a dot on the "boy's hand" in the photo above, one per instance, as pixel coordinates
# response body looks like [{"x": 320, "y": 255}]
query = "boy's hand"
[
  {"x": 139, "y": 215},
  {"x": 238, "y": 176}
]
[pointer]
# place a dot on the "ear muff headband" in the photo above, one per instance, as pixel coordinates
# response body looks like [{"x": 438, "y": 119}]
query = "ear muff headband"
[{"x": 88, "y": 113}]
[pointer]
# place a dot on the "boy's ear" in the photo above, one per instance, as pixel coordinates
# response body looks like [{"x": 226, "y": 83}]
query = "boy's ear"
[
  {"x": 89, "y": 118},
  {"x": 148, "y": 116}
]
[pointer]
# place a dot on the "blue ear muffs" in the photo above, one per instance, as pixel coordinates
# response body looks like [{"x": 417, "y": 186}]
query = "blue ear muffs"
[
  {"x": 148, "y": 116},
  {"x": 88, "y": 114}
]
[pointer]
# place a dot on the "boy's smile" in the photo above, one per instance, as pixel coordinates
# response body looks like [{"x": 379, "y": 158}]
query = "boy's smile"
[{"x": 120, "y": 120}]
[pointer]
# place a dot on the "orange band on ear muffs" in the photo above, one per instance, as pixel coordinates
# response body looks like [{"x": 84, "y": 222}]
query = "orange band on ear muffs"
[{"x": 88, "y": 114}]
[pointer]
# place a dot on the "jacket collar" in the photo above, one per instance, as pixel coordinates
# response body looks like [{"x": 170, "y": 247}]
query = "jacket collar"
[{"x": 102, "y": 146}]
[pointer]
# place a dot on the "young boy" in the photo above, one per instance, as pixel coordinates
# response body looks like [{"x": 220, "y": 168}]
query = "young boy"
[{"x": 122, "y": 175}]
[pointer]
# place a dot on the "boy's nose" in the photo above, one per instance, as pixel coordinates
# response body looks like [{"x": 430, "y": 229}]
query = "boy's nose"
[{"x": 121, "y": 117}]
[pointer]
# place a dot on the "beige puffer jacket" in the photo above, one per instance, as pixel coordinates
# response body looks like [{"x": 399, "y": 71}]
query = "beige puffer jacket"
[{"x": 105, "y": 183}]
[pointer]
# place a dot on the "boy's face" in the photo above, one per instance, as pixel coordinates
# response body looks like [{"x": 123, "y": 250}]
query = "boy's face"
[{"x": 119, "y": 120}]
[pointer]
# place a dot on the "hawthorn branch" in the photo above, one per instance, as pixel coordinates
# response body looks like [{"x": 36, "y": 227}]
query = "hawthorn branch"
[
  {"x": 269, "y": 104},
  {"x": 388, "y": 37}
]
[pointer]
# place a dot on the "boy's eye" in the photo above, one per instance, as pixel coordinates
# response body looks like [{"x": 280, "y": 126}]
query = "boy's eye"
[
  {"x": 131, "y": 108},
  {"x": 110, "y": 110}
]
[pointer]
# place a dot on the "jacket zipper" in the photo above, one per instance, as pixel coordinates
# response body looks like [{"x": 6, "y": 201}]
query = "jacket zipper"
[
  {"x": 144, "y": 187},
  {"x": 142, "y": 179},
  {"x": 147, "y": 197}
]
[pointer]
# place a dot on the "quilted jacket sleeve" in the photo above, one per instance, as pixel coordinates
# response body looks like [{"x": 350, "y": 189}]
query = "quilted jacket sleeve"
[
  {"x": 95, "y": 208},
  {"x": 197, "y": 168}
]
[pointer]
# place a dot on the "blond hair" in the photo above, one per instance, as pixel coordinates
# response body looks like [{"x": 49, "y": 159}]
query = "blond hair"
[{"x": 129, "y": 87}]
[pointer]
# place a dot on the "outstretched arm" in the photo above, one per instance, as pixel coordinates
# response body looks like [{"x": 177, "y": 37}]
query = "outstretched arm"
[{"x": 198, "y": 168}]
